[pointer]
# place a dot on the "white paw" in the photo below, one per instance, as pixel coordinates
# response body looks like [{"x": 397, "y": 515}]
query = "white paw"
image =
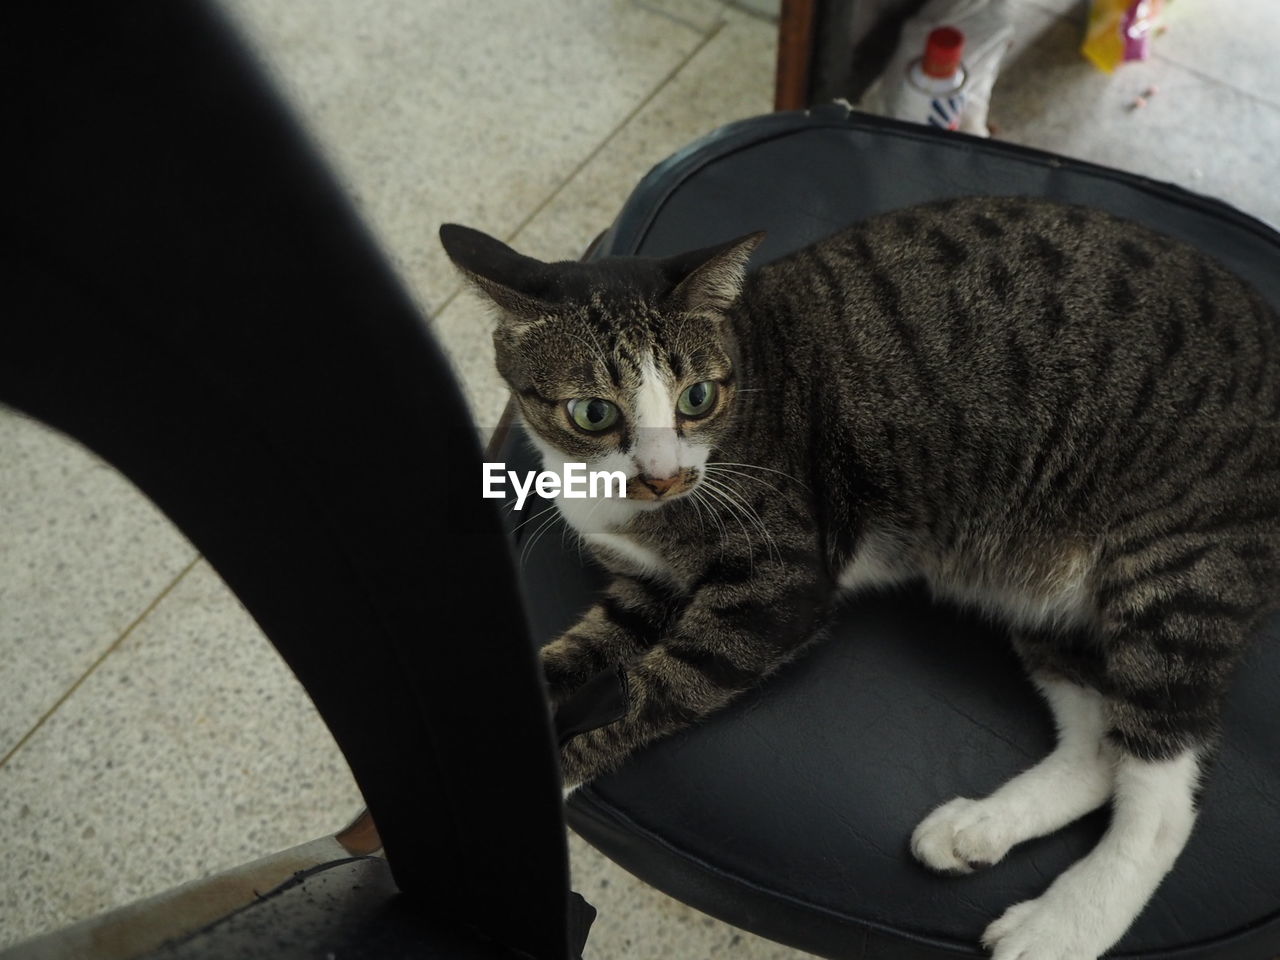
[
  {"x": 1043, "y": 929},
  {"x": 963, "y": 834}
]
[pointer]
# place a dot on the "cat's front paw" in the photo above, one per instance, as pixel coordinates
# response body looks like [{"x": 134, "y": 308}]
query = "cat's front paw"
[
  {"x": 560, "y": 670},
  {"x": 1043, "y": 929},
  {"x": 962, "y": 835}
]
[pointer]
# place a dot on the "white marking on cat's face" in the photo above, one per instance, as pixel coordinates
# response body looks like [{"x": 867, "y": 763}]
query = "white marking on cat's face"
[
  {"x": 657, "y": 451},
  {"x": 589, "y": 514},
  {"x": 657, "y": 445},
  {"x": 595, "y": 518}
]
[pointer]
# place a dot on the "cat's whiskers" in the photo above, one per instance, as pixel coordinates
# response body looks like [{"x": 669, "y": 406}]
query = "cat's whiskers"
[
  {"x": 538, "y": 535},
  {"x": 528, "y": 540},
  {"x": 531, "y": 518},
  {"x": 748, "y": 511},
  {"x": 756, "y": 466},
  {"x": 527, "y": 550},
  {"x": 696, "y": 494},
  {"x": 753, "y": 513},
  {"x": 719, "y": 500},
  {"x": 585, "y": 526},
  {"x": 693, "y": 499},
  {"x": 715, "y": 490},
  {"x": 718, "y": 469}
]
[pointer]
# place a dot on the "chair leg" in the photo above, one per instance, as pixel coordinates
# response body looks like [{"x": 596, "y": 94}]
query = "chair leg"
[{"x": 795, "y": 54}]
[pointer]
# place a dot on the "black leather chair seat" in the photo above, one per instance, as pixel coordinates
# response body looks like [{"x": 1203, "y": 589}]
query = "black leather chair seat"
[{"x": 789, "y": 814}]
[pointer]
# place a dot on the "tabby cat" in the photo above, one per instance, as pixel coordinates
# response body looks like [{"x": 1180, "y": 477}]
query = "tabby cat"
[{"x": 1050, "y": 413}]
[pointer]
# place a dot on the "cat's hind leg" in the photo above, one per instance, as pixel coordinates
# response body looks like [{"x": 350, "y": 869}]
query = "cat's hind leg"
[
  {"x": 1073, "y": 780},
  {"x": 1090, "y": 906},
  {"x": 1172, "y": 631}
]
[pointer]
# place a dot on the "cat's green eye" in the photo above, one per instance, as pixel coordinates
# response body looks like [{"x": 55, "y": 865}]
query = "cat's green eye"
[
  {"x": 594, "y": 414},
  {"x": 697, "y": 401}
]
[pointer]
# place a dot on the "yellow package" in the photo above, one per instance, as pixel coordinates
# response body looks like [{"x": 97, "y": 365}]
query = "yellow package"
[{"x": 1119, "y": 31}]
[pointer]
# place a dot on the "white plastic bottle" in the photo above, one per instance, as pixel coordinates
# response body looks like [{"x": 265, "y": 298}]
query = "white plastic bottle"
[{"x": 932, "y": 91}]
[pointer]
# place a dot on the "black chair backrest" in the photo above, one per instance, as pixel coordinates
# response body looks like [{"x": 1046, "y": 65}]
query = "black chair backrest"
[{"x": 188, "y": 294}]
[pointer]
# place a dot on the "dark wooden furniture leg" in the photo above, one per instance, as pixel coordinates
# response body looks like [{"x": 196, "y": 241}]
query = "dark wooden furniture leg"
[{"x": 795, "y": 54}]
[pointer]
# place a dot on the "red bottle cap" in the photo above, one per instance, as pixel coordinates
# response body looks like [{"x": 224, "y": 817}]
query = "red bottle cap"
[{"x": 942, "y": 52}]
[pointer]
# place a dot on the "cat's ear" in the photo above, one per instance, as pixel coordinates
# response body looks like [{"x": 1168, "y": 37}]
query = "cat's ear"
[
  {"x": 711, "y": 278},
  {"x": 519, "y": 285}
]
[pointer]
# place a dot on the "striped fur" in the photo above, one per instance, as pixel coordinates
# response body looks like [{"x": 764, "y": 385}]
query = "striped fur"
[{"x": 1060, "y": 417}]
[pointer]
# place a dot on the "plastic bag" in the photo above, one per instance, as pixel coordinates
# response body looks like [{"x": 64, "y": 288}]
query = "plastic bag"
[
  {"x": 988, "y": 32},
  {"x": 1119, "y": 31}
]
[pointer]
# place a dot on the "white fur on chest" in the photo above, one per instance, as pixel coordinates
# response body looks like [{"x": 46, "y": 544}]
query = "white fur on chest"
[
  {"x": 1053, "y": 588},
  {"x": 878, "y": 563},
  {"x": 1061, "y": 594},
  {"x": 624, "y": 553},
  {"x": 1069, "y": 604}
]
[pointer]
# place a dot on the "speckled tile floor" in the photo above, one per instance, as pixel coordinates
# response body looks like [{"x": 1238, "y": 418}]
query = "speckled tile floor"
[{"x": 148, "y": 732}]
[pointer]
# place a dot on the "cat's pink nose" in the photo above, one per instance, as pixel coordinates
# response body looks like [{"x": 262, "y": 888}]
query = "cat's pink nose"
[{"x": 660, "y": 485}]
